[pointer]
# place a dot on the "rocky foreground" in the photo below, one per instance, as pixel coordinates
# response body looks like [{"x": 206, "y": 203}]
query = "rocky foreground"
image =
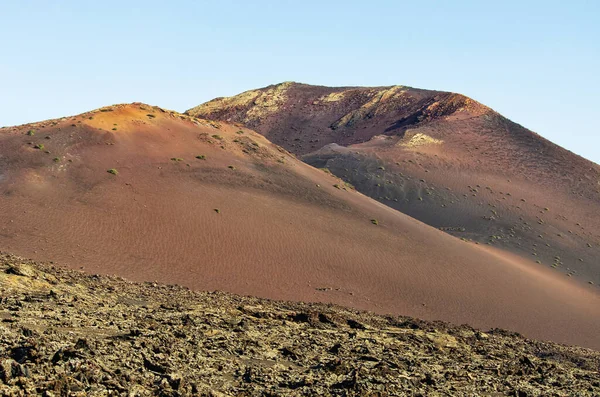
[{"x": 67, "y": 333}]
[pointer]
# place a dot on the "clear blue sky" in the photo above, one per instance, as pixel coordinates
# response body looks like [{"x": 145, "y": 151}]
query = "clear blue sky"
[{"x": 536, "y": 62}]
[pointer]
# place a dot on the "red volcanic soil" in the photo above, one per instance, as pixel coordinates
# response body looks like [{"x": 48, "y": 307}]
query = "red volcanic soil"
[
  {"x": 250, "y": 218},
  {"x": 443, "y": 159}
]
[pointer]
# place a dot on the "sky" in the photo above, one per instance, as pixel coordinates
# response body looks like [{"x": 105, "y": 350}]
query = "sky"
[{"x": 536, "y": 62}]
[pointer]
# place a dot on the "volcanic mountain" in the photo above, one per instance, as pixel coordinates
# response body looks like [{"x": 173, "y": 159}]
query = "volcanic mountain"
[
  {"x": 441, "y": 158},
  {"x": 154, "y": 195}
]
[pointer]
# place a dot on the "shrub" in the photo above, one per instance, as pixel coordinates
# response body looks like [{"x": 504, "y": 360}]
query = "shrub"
[
  {"x": 219, "y": 137},
  {"x": 112, "y": 171},
  {"x": 375, "y": 221},
  {"x": 39, "y": 146},
  {"x": 151, "y": 116},
  {"x": 56, "y": 159},
  {"x": 201, "y": 157},
  {"x": 218, "y": 211},
  {"x": 231, "y": 167},
  {"x": 176, "y": 159},
  {"x": 31, "y": 132}
]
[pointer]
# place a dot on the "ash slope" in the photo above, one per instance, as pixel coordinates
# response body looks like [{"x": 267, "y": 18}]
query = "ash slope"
[
  {"x": 66, "y": 333},
  {"x": 247, "y": 217},
  {"x": 441, "y": 158}
]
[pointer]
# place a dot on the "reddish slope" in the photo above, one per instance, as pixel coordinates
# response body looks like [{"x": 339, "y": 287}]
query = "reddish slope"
[
  {"x": 441, "y": 158},
  {"x": 283, "y": 230}
]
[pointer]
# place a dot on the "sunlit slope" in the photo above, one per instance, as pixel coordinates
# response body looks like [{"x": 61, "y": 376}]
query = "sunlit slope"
[{"x": 212, "y": 206}]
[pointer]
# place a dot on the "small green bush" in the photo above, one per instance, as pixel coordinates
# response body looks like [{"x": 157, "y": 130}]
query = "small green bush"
[
  {"x": 31, "y": 132},
  {"x": 39, "y": 146},
  {"x": 176, "y": 159},
  {"x": 113, "y": 171},
  {"x": 375, "y": 221},
  {"x": 201, "y": 157}
]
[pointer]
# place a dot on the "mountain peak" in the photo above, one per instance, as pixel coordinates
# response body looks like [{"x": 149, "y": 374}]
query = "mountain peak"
[
  {"x": 437, "y": 156},
  {"x": 392, "y": 108}
]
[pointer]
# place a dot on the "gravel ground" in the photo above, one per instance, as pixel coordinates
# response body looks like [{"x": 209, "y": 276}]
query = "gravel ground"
[{"x": 65, "y": 333}]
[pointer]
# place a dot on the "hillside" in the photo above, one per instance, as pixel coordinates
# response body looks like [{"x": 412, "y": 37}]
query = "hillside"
[
  {"x": 441, "y": 158},
  {"x": 67, "y": 333},
  {"x": 154, "y": 195}
]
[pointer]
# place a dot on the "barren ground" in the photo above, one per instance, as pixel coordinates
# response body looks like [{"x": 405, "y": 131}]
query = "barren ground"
[
  {"x": 250, "y": 218},
  {"x": 67, "y": 333}
]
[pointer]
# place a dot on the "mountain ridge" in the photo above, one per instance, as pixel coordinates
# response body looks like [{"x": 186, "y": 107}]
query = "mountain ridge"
[
  {"x": 439, "y": 157},
  {"x": 153, "y": 195}
]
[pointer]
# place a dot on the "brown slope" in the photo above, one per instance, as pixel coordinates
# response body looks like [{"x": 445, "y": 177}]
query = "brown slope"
[
  {"x": 284, "y": 230},
  {"x": 441, "y": 158}
]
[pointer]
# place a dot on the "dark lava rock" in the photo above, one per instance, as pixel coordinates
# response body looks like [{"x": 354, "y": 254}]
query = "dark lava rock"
[{"x": 106, "y": 336}]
